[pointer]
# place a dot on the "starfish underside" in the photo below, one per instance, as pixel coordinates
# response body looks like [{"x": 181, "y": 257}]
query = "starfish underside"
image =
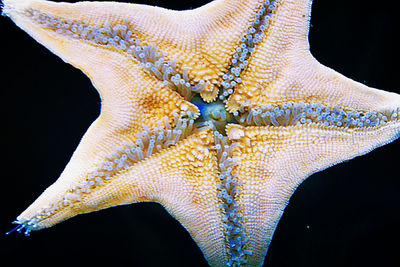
[{"x": 217, "y": 113}]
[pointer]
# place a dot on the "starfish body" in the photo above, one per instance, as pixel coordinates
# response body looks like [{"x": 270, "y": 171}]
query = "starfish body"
[{"x": 217, "y": 113}]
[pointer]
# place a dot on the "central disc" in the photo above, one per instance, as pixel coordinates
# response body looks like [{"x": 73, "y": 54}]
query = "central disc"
[{"x": 214, "y": 112}]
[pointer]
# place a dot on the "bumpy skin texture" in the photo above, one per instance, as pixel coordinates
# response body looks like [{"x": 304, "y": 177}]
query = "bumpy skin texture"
[{"x": 286, "y": 117}]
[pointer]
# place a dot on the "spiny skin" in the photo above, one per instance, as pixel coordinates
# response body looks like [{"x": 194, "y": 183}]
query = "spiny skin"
[{"x": 272, "y": 160}]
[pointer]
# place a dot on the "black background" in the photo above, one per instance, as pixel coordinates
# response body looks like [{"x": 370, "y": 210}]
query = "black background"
[{"x": 47, "y": 105}]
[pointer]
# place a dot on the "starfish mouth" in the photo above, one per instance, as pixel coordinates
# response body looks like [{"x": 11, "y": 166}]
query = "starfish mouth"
[{"x": 214, "y": 113}]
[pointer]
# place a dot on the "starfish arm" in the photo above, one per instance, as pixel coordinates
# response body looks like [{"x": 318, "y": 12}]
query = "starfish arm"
[
  {"x": 72, "y": 32},
  {"x": 274, "y": 161},
  {"x": 171, "y": 178},
  {"x": 191, "y": 38},
  {"x": 131, "y": 96},
  {"x": 283, "y": 70}
]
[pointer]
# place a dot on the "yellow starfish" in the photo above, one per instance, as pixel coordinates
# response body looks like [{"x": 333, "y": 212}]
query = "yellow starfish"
[{"x": 217, "y": 113}]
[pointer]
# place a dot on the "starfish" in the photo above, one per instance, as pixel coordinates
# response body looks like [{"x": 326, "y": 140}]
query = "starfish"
[{"x": 217, "y": 113}]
